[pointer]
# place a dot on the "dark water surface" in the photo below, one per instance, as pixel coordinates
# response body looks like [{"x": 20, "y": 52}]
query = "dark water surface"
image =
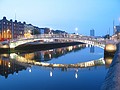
[{"x": 18, "y": 75}]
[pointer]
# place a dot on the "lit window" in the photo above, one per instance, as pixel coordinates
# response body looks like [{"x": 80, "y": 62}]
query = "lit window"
[{"x": 21, "y": 32}]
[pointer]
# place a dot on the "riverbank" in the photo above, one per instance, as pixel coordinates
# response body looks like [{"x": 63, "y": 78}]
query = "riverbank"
[{"x": 112, "y": 80}]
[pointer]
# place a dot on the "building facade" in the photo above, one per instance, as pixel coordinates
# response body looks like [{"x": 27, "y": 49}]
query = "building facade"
[
  {"x": 116, "y": 35},
  {"x": 10, "y": 29},
  {"x": 117, "y": 29}
]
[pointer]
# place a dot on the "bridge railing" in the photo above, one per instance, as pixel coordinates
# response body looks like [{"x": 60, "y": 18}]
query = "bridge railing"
[
  {"x": 60, "y": 37},
  {"x": 72, "y": 36}
]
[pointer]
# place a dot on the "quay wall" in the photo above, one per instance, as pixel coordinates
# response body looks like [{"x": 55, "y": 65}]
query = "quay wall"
[{"x": 112, "y": 79}]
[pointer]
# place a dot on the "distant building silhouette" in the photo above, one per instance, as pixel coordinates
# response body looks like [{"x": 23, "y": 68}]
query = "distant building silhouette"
[
  {"x": 116, "y": 35},
  {"x": 117, "y": 29},
  {"x": 92, "y": 32}
]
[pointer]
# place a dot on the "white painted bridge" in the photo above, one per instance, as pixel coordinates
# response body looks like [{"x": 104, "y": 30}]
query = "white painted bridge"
[{"x": 57, "y": 38}]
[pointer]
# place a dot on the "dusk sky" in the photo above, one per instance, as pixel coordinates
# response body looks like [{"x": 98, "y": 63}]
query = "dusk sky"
[{"x": 65, "y": 14}]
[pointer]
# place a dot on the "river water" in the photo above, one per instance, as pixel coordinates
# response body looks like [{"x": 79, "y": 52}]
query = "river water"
[{"x": 52, "y": 70}]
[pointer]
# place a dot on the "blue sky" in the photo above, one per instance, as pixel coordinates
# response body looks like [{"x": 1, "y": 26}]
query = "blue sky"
[{"x": 65, "y": 14}]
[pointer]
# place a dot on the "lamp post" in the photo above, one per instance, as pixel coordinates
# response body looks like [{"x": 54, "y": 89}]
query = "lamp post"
[
  {"x": 76, "y": 29},
  {"x": 119, "y": 20}
]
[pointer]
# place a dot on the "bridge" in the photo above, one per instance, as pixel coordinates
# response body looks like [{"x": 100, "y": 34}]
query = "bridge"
[{"x": 54, "y": 38}]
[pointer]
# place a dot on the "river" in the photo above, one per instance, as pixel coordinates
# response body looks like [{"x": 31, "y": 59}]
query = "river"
[{"x": 79, "y": 67}]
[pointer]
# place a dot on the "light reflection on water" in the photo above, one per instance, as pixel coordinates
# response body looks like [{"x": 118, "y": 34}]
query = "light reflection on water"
[{"x": 47, "y": 78}]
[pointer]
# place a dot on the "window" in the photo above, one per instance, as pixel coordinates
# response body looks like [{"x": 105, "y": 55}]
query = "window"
[
  {"x": 21, "y": 32},
  {"x": 4, "y": 27}
]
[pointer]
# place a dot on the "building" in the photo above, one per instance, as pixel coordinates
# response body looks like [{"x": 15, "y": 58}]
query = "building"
[
  {"x": 18, "y": 29},
  {"x": 116, "y": 35},
  {"x": 45, "y": 30},
  {"x": 28, "y": 28},
  {"x": 36, "y": 30},
  {"x": 92, "y": 32},
  {"x": 42, "y": 30},
  {"x": 10, "y": 29},
  {"x": 117, "y": 29}
]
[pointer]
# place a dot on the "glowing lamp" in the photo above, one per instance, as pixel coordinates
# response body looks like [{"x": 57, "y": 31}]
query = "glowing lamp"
[{"x": 110, "y": 48}]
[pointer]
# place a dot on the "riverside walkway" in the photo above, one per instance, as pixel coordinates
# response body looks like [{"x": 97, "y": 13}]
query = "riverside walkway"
[{"x": 112, "y": 79}]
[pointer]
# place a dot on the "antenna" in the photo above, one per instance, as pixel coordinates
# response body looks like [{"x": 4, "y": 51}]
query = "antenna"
[
  {"x": 119, "y": 20},
  {"x": 15, "y": 14},
  {"x": 113, "y": 27},
  {"x": 109, "y": 30}
]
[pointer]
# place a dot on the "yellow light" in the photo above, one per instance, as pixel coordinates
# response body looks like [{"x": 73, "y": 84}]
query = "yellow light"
[
  {"x": 9, "y": 65},
  {"x": 0, "y": 62},
  {"x": 108, "y": 60},
  {"x": 5, "y": 46},
  {"x": 8, "y": 30},
  {"x": 110, "y": 48}
]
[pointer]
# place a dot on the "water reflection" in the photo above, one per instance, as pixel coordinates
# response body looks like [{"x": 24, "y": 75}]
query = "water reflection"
[
  {"x": 92, "y": 49},
  {"x": 47, "y": 55},
  {"x": 10, "y": 67},
  {"x": 108, "y": 60},
  {"x": 13, "y": 63}
]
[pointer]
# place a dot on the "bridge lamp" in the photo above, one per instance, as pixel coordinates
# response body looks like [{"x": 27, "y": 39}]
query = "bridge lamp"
[{"x": 50, "y": 31}]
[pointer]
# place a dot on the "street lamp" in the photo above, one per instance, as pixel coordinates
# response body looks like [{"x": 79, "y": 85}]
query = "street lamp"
[
  {"x": 76, "y": 29},
  {"x": 50, "y": 30},
  {"x": 119, "y": 20}
]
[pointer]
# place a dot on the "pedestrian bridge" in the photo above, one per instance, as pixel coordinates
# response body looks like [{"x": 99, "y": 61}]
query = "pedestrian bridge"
[{"x": 56, "y": 38}]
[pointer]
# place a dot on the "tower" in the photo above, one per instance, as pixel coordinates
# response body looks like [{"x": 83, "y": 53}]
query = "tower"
[{"x": 92, "y": 32}]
